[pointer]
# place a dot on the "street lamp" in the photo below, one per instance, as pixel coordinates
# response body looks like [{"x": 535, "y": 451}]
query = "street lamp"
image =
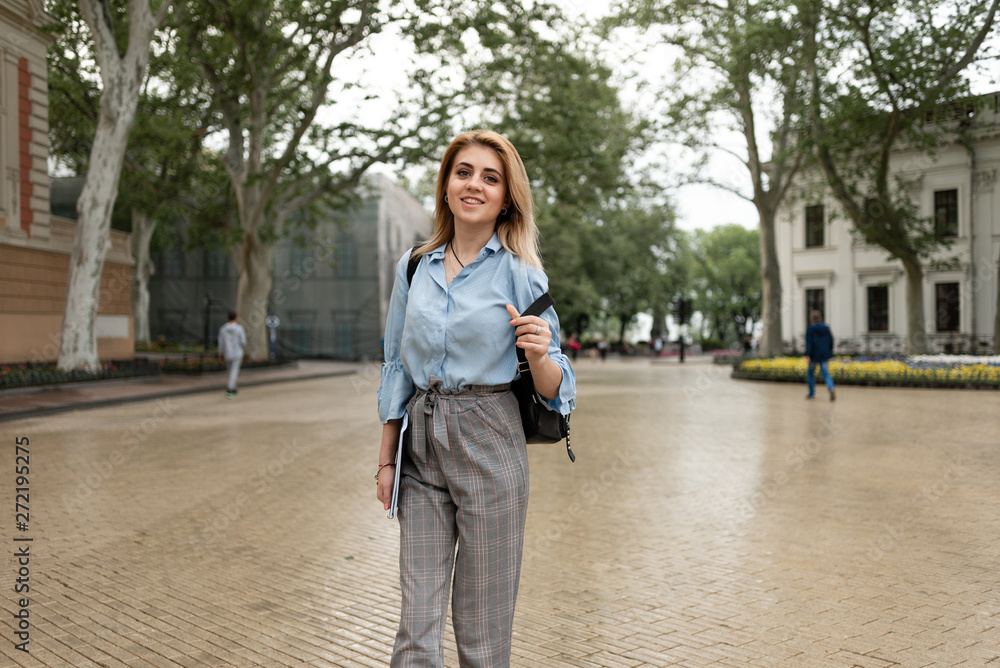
[{"x": 209, "y": 302}]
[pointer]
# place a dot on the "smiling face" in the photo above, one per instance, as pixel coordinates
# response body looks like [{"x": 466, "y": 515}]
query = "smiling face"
[{"x": 477, "y": 186}]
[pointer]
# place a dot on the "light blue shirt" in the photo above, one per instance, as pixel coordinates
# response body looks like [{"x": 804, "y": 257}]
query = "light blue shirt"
[{"x": 461, "y": 332}]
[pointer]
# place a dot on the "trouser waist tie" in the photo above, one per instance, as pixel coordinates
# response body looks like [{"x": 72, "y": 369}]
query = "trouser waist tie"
[{"x": 440, "y": 408}]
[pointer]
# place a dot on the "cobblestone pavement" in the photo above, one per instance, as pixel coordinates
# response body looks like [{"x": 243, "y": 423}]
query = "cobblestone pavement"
[{"x": 707, "y": 522}]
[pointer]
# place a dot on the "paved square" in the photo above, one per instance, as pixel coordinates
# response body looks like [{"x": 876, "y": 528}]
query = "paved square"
[{"x": 707, "y": 522}]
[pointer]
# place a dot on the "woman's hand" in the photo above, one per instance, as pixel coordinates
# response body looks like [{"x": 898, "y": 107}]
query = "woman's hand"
[
  {"x": 533, "y": 335},
  {"x": 387, "y": 455},
  {"x": 386, "y": 479}
]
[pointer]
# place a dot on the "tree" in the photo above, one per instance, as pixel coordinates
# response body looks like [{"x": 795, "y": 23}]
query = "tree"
[
  {"x": 166, "y": 176},
  {"x": 879, "y": 73},
  {"x": 576, "y": 140},
  {"x": 641, "y": 266},
  {"x": 736, "y": 58},
  {"x": 275, "y": 71},
  {"x": 725, "y": 277},
  {"x": 122, "y": 56}
]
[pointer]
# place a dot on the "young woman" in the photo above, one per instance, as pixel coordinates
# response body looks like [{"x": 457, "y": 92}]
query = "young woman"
[{"x": 450, "y": 355}]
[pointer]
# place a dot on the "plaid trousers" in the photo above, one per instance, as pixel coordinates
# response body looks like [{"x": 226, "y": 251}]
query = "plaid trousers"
[{"x": 464, "y": 484}]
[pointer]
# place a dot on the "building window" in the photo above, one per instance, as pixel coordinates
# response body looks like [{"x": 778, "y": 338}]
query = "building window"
[
  {"x": 815, "y": 301},
  {"x": 815, "y": 227},
  {"x": 878, "y": 308},
  {"x": 296, "y": 257},
  {"x": 216, "y": 263},
  {"x": 345, "y": 339},
  {"x": 946, "y": 310},
  {"x": 946, "y": 213},
  {"x": 345, "y": 258},
  {"x": 300, "y": 330},
  {"x": 172, "y": 262}
]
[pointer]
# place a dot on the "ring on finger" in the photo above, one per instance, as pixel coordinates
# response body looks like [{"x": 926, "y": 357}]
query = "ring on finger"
[{"x": 538, "y": 328}]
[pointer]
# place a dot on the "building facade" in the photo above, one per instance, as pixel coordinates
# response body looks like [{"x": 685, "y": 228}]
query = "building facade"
[
  {"x": 862, "y": 294},
  {"x": 331, "y": 286},
  {"x": 35, "y": 246}
]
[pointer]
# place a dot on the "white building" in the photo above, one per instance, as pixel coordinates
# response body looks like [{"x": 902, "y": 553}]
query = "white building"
[{"x": 862, "y": 294}]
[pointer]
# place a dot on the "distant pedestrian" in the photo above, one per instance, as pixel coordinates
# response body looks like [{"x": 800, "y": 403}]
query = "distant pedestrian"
[
  {"x": 574, "y": 346},
  {"x": 232, "y": 342},
  {"x": 602, "y": 348},
  {"x": 819, "y": 350}
]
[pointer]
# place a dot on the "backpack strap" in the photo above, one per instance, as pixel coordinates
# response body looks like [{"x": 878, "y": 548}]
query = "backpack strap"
[
  {"x": 538, "y": 307},
  {"x": 411, "y": 266}
]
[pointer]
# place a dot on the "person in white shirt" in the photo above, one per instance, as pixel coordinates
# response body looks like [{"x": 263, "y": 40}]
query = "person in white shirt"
[{"x": 232, "y": 341}]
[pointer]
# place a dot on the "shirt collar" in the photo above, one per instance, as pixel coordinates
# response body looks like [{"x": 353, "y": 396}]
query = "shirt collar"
[{"x": 493, "y": 245}]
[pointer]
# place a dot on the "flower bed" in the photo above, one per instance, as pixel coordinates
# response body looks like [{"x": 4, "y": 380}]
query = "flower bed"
[
  {"x": 29, "y": 374},
  {"x": 923, "y": 371},
  {"x": 41, "y": 374}
]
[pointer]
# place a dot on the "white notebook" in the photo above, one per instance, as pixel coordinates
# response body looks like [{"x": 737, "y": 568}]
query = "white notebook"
[{"x": 399, "y": 467}]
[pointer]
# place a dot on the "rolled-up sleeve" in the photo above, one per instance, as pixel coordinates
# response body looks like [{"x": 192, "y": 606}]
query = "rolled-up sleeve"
[
  {"x": 396, "y": 386},
  {"x": 537, "y": 285}
]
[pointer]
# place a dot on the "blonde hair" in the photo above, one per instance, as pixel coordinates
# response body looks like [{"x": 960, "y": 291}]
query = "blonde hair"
[{"x": 516, "y": 228}]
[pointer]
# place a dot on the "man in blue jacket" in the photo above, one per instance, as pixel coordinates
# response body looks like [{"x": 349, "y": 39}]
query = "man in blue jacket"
[{"x": 819, "y": 350}]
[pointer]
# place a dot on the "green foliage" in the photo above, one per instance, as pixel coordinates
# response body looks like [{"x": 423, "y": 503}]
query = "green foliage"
[
  {"x": 883, "y": 73},
  {"x": 637, "y": 257},
  {"x": 167, "y": 173},
  {"x": 737, "y": 73},
  {"x": 608, "y": 251},
  {"x": 725, "y": 279},
  {"x": 711, "y": 343}
]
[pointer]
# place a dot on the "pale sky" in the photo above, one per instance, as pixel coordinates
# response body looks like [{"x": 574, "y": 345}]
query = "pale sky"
[{"x": 698, "y": 207}]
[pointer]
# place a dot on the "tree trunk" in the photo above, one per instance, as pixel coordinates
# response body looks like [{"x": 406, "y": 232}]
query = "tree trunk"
[
  {"x": 624, "y": 325},
  {"x": 143, "y": 226},
  {"x": 771, "y": 342},
  {"x": 78, "y": 349},
  {"x": 659, "y": 328},
  {"x": 121, "y": 78},
  {"x": 916, "y": 333},
  {"x": 254, "y": 260}
]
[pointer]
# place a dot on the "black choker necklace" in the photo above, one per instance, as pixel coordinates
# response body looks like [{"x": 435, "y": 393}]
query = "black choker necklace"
[{"x": 456, "y": 255}]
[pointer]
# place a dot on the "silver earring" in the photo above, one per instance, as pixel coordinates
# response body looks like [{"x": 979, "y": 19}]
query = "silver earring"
[
  {"x": 503, "y": 211},
  {"x": 446, "y": 198}
]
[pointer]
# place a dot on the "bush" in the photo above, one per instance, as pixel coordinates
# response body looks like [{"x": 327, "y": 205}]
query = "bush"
[
  {"x": 712, "y": 343},
  {"x": 162, "y": 345},
  {"x": 33, "y": 374}
]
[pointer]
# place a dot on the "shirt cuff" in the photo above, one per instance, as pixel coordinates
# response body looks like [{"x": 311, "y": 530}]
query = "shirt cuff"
[
  {"x": 565, "y": 401},
  {"x": 394, "y": 391}
]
